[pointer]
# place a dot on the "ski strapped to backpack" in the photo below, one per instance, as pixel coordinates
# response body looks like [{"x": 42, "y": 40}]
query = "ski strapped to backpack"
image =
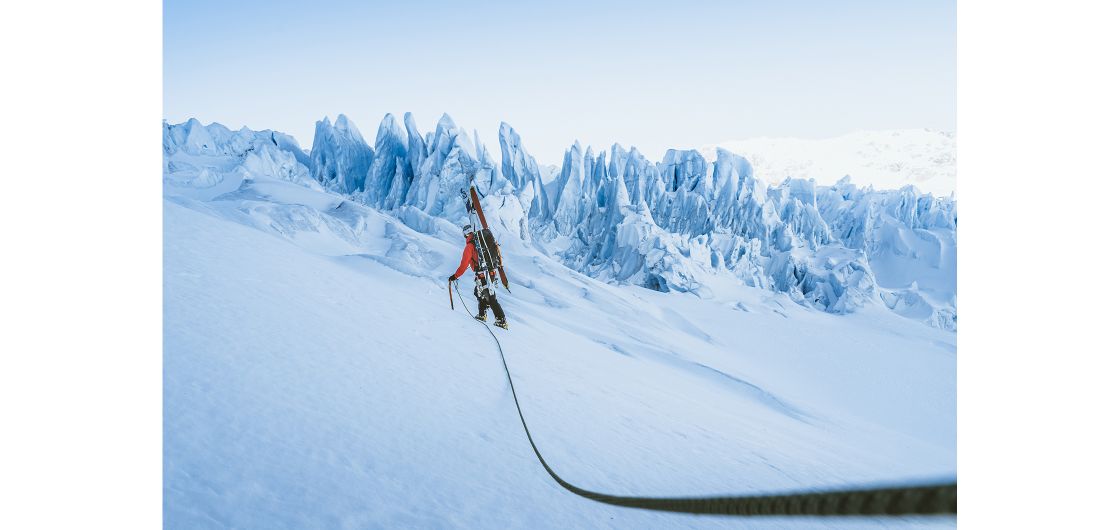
[{"x": 488, "y": 250}]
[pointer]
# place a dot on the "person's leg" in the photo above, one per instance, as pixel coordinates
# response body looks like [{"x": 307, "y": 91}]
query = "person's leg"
[
  {"x": 498, "y": 313},
  {"x": 492, "y": 298},
  {"x": 479, "y": 293}
]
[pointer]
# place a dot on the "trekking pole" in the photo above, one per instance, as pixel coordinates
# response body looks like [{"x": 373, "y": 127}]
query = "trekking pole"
[{"x": 449, "y": 295}]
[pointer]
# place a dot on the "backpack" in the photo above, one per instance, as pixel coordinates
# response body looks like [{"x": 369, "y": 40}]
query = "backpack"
[{"x": 489, "y": 251}]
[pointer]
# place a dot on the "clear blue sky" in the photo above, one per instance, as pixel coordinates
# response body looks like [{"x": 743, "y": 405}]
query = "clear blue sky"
[{"x": 651, "y": 74}]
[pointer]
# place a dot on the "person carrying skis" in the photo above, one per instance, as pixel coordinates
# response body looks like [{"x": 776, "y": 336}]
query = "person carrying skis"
[{"x": 482, "y": 289}]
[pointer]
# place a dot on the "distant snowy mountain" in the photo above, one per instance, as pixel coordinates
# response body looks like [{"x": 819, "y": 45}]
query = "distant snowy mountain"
[
  {"x": 923, "y": 158},
  {"x": 689, "y": 223}
]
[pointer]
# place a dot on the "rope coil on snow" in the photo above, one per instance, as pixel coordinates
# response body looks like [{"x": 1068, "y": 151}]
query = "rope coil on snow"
[{"x": 901, "y": 500}]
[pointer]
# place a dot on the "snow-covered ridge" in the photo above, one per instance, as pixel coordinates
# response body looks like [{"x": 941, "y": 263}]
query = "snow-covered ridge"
[{"x": 685, "y": 224}]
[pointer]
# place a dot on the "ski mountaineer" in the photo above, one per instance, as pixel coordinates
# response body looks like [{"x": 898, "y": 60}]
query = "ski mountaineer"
[{"x": 486, "y": 296}]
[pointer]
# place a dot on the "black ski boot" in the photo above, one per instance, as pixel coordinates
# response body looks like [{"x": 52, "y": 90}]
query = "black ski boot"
[
  {"x": 480, "y": 318},
  {"x": 501, "y": 324}
]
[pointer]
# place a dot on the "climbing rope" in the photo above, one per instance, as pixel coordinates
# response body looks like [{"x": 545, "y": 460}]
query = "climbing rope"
[{"x": 901, "y": 500}]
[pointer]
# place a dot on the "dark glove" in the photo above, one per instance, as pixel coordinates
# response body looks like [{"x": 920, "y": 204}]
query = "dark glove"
[{"x": 451, "y": 278}]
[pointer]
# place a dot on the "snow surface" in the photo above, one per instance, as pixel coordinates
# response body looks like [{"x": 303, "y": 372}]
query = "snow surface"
[
  {"x": 315, "y": 376},
  {"x": 922, "y": 158}
]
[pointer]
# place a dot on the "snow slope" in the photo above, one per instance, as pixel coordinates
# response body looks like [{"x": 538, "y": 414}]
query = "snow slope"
[
  {"x": 885, "y": 159},
  {"x": 315, "y": 377}
]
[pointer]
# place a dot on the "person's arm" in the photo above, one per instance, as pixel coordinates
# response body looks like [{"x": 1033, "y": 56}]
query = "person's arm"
[{"x": 468, "y": 251}]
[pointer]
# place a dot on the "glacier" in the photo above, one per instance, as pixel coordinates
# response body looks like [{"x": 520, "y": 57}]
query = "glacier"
[
  {"x": 666, "y": 337},
  {"x": 684, "y": 224}
]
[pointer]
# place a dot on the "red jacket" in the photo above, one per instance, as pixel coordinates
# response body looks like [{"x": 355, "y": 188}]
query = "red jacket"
[{"x": 470, "y": 258}]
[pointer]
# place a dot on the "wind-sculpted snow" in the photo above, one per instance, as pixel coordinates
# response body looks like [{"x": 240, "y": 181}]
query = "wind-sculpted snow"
[{"x": 684, "y": 224}]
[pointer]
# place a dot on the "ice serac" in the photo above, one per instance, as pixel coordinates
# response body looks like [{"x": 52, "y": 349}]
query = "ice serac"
[
  {"x": 391, "y": 173},
  {"x": 683, "y": 208},
  {"x": 909, "y": 240},
  {"x": 420, "y": 176},
  {"x": 488, "y": 177},
  {"x": 447, "y": 164},
  {"x": 207, "y": 161},
  {"x": 289, "y": 144},
  {"x": 567, "y": 210},
  {"x": 340, "y": 157},
  {"x": 198, "y": 139},
  {"x": 521, "y": 170},
  {"x": 417, "y": 148},
  {"x": 597, "y": 250},
  {"x": 687, "y": 170},
  {"x": 676, "y": 225}
]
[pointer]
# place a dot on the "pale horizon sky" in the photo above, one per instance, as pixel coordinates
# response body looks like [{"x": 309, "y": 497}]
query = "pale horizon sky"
[{"x": 651, "y": 74}]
